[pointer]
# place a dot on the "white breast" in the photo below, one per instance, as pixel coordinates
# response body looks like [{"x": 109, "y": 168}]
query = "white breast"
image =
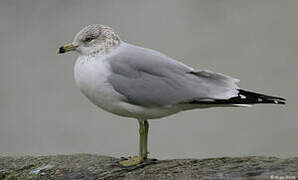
[{"x": 91, "y": 77}]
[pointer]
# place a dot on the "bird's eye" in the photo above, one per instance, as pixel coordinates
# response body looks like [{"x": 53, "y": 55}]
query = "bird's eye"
[{"x": 88, "y": 39}]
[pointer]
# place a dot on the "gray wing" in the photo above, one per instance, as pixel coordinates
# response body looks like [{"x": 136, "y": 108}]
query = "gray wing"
[{"x": 149, "y": 78}]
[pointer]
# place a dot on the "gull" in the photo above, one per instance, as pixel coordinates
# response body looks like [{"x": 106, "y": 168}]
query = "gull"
[{"x": 144, "y": 84}]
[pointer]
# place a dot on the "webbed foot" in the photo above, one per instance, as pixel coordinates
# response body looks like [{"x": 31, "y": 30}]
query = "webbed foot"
[{"x": 132, "y": 161}]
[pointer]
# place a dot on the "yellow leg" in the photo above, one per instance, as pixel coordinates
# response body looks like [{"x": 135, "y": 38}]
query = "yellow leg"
[
  {"x": 141, "y": 140},
  {"x": 143, "y": 143}
]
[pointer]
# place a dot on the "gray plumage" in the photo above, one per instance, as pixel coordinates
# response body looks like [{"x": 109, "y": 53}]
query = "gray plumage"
[
  {"x": 142, "y": 83},
  {"x": 148, "y": 78}
]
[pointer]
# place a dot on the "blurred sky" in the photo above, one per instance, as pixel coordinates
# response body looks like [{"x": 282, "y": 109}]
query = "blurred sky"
[{"x": 42, "y": 111}]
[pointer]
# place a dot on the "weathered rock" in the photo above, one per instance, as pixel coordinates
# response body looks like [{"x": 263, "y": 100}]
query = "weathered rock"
[{"x": 87, "y": 166}]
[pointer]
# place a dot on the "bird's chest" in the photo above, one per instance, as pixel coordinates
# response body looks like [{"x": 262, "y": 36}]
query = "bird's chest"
[{"x": 91, "y": 77}]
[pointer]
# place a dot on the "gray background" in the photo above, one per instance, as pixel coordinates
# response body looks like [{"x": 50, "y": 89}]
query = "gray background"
[{"x": 42, "y": 112}]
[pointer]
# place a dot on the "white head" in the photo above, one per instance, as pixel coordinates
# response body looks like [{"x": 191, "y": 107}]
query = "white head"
[{"x": 92, "y": 40}]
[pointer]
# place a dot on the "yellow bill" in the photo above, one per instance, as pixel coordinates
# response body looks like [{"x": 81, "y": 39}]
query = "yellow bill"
[{"x": 66, "y": 48}]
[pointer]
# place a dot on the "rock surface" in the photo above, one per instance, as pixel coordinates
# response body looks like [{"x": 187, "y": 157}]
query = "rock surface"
[{"x": 88, "y": 166}]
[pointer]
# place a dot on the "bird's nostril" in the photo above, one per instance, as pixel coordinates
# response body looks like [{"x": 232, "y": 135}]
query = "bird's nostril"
[{"x": 61, "y": 49}]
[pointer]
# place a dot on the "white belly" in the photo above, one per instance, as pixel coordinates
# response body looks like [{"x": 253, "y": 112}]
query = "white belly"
[{"x": 91, "y": 77}]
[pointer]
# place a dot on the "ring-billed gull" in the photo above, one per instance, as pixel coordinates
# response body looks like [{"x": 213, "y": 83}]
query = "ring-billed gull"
[{"x": 144, "y": 84}]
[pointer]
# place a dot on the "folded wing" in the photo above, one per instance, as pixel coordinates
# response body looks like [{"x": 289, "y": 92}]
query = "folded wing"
[{"x": 149, "y": 78}]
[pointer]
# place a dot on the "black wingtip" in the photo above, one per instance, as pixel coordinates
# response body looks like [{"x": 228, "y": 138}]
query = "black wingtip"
[
  {"x": 262, "y": 98},
  {"x": 278, "y": 101},
  {"x": 246, "y": 97}
]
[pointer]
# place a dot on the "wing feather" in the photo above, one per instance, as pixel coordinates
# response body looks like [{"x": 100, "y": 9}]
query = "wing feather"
[{"x": 148, "y": 78}]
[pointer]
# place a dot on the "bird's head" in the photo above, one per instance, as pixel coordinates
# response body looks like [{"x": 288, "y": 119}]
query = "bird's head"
[{"x": 91, "y": 40}]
